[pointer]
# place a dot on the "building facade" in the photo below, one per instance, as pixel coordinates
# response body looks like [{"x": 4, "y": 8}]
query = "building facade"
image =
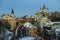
[
  {"x": 41, "y": 17},
  {"x": 10, "y": 19}
]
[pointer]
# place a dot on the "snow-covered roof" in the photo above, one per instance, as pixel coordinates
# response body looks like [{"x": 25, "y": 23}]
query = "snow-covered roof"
[
  {"x": 28, "y": 25},
  {"x": 57, "y": 31},
  {"x": 27, "y": 38},
  {"x": 56, "y": 22}
]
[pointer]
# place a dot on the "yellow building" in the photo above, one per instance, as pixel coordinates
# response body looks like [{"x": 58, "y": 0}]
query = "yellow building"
[
  {"x": 42, "y": 13},
  {"x": 32, "y": 31},
  {"x": 20, "y": 21},
  {"x": 41, "y": 16},
  {"x": 10, "y": 19}
]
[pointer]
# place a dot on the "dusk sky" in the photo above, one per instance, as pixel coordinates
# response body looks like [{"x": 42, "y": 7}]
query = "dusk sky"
[{"x": 27, "y": 7}]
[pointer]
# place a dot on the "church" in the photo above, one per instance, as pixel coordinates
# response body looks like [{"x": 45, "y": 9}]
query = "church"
[{"x": 9, "y": 18}]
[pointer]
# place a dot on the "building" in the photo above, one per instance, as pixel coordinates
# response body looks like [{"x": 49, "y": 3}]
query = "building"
[
  {"x": 41, "y": 17},
  {"x": 19, "y": 21},
  {"x": 10, "y": 18},
  {"x": 43, "y": 12},
  {"x": 29, "y": 18},
  {"x": 30, "y": 29}
]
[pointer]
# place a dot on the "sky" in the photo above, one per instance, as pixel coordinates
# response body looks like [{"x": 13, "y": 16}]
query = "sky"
[{"x": 27, "y": 7}]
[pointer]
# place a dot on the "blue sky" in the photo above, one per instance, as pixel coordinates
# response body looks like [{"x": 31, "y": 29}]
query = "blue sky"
[{"x": 27, "y": 7}]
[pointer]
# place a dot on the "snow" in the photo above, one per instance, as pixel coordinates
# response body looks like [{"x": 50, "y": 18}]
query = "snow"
[
  {"x": 29, "y": 25},
  {"x": 57, "y": 31},
  {"x": 8, "y": 34},
  {"x": 27, "y": 38}
]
